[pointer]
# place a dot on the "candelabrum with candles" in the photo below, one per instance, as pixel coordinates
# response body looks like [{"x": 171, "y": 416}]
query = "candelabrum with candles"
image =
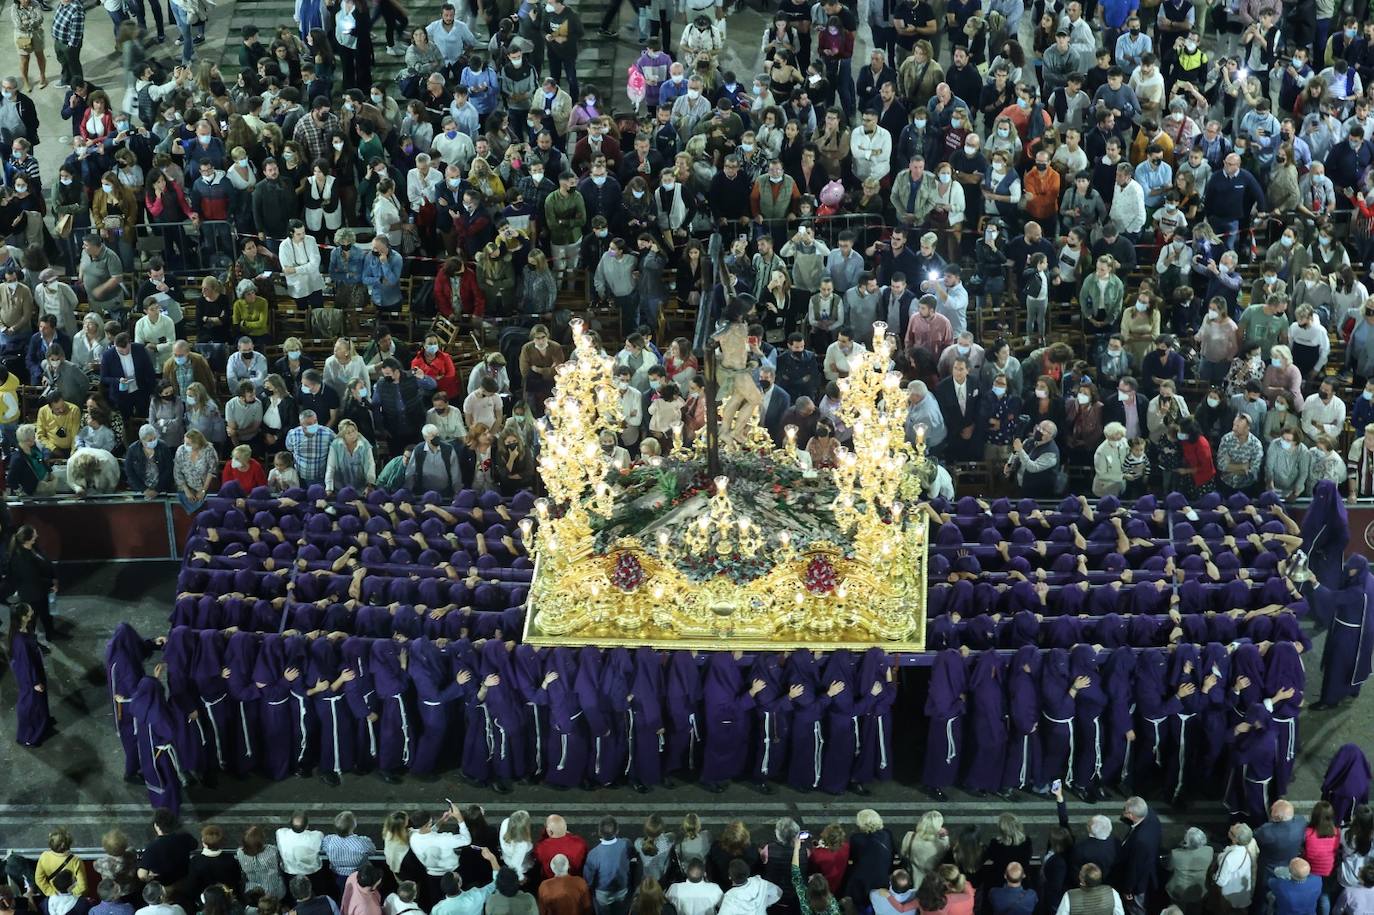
[
  {"x": 585, "y": 404},
  {"x": 720, "y": 530}
]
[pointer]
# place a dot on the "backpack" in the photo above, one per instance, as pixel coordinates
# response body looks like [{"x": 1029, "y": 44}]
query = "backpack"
[
  {"x": 422, "y": 299},
  {"x": 327, "y": 322}
]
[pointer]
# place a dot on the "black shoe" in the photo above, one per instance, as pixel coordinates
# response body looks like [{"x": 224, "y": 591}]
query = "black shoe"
[
  {"x": 501, "y": 786},
  {"x": 669, "y": 782},
  {"x": 607, "y": 33},
  {"x": 639, "y": 786},
  {"x": 47, "y": 649},
  {"x": 714, "y": 787},
  {"x": 1006, "y": 794},
  {"x": 133, "y": 779},
  {"x": 391, "y": 778},
  {"x": 1082, "y": 794},
  {"x": 330, "y": 778},
  {"x": 860, "y": 790},
  {"x": 935, "y": 794},
  {"x": 763, "y": 788},
  {"x": 200, "y": 39},
  {"x": 1321, "y": 707}
]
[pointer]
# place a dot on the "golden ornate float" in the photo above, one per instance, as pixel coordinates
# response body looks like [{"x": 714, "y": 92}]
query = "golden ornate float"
[{"x": 768, "y": 554}]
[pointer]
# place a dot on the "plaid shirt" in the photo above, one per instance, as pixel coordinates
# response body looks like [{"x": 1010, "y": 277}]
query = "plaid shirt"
[
  {"x": 347, "y": 853},
  {"x": 312, "y": 136},
  {"x": 69, "y": 23},
  {"x": 310, "y": 451}
]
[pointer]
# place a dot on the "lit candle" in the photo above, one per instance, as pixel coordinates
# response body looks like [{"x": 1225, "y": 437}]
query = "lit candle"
[
  {"x": 744, "y": 525},
  {"x": 785, "y": 538},
  {"x": 841, "y": 591},
  {"x": 526, "y": 527},
  {"x": 897, "y": 512},
  {"x": 542, "y": 507},
  {"x": 791, "y": 433},
  {"x": 658, "y": 592},
  {"x": 722, "y": 481},
  {"x": 879, "y": 330},
  {"x": 799, "y": 599},
  {"x": 921, "y": 433},
  {"x": 663, "y": 540}
]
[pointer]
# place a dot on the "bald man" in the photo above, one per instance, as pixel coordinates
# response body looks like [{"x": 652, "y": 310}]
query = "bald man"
[
  {"x": 1280, "y": 840},
  {"x": 558, "y": 841},
  {"x": 1013, "y": 897},
  {"x": 1297, "y": 892}
]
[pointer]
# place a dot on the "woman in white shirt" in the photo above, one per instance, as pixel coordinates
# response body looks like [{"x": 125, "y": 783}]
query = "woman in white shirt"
[
  {"x": 344, "y": 368},
  {"x": 387, "y": 218},
  {"x": 1165, "y": 408},
  {"x": 517, "y": 849},
  {"x": 299, "y": 256},
  {"x": 1234, "y": 872},
  {"x": 396, "y": 839},
  {"x": 1309, "y": 341}
]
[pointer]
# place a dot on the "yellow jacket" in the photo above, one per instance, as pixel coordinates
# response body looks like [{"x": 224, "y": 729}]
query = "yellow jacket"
[
  {"x": 50, "y": 862},
  {"x": 58, "y": 433}
]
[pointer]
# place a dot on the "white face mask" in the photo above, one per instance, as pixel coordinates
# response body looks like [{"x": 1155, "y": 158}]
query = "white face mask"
[{"x": 1084, "y": 399}]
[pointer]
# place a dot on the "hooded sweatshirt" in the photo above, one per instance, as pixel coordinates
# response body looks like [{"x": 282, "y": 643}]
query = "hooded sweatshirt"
[{"x": 753, "y": 897}]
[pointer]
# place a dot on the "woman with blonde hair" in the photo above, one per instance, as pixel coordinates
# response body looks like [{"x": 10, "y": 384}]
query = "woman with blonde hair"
[
  {"x": 654, "y": 848},
  {"x": 487, "y": 182},
  {"x": 388, "y": 216},
  {"x": 870, "y": 851},
  {"x": 692, "y": 840},
  {"x": 203, "y": 414},
  {"x": 351, "y": 461},
  {"x": 396, "y": 839},
  {"x": 345, "y": 367},
  {"x": 194, "y": 468},
  {"x": 517, "y": 849},
  {"x": 114, "y": 212},
  {"x": 924, "y": 846},
  {"x": 959, "y": 894},
  {"x": 733, "y": 842},
  {"x": 1281, "y": 374}
]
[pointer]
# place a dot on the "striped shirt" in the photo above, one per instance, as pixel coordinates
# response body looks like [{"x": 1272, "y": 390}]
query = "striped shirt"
[
  {"x": 310, "y": 451},
  {"x": 347, "y": 853}
]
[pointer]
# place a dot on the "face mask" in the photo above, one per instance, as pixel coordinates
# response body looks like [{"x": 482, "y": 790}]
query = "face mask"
[
  {"x": 21, "y": 188},
  {"x": 637, "y": 194},
  {"x": 1281, "y": 407},
  {"x": 1023, "y": 104},
  {"x": 776, "y": 179},
  {"x": 293, "y": 354},
  {"x": 536, "y": 177},
  {"x": 1122, "y": 395},
  {"x": 66, "y": 182},
  {"x": 970, "y": 150},
  {"x": 431, "y": 349},
  {"x": 376, "y": 98},
  {"x": 1324, "y": 242},
  {"x": 338, "y": 146},
  {"x": 963, "y": 350},
  {"x": 919, "y": 123},
  {"x": 107, "y": 187},
  {"x": 669, "y": 185},
  {"x": 1004, "y": 131},
  {"x": 454, "y": 182},
  {"x": 1142, "y": 306},
  {"x": 678, "y": 77},
  {"x": 289, "y": 156},
  {"x": 308, "y": 430},
  {"x": 813, "y": 79},
  {"x": 1190, "y": 45},
  {"x": 1213, "y": 401},
  {"x": 1285, "y": 444},
  {"x": 1286, "y": 241},
  {"x": 693, "y": 94},
  {"x": 181, "y": 360},
  {"x": 203, "y": 140},
  {"x": 998, "y": 390},
  {"x": 1183, "y": 436},
  {"x": 1084, "y": 400}
]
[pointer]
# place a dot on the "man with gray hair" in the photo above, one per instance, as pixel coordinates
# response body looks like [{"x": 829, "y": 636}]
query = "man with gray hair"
[
  {"x": 346, "y": 850},
  {"x": 309, "y": 445},
  {"x": 1295, "y": 889},
  {"x": 923, "y": 411},
  {"x": 1281, "y": 839},
  {"x": 155, "y": 901},
  {"x": 1136, "y": 866},
  {"x": 777, "y": 865},
  {"x": 433, "y": 465},
  {"x": 1036, "y": 463},
  {"x": 1090, "y": 897},
  {"x": 1188, "y": 865},
  {"x": 564, "y": 893}
]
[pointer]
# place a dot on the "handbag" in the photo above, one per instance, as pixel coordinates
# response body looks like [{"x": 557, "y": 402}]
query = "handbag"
[
  {"x": 64, "y": 225},
  {"x": 23, "y": 42}
]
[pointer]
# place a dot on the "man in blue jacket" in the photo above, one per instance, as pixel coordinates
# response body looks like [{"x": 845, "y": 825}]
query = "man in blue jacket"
[
  {"x": 1297, "y": 892},
  {"x": 127, "y": 373},
  {"x": 1231, "y": 194}
]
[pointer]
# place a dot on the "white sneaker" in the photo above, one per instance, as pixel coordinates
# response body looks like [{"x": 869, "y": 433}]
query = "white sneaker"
[{"x": 396, "y": 51}]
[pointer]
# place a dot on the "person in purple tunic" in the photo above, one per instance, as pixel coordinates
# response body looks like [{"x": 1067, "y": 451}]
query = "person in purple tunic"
[
  {"x": 876, "y": 680},
  {"x": 987, "y": 730},
  {"x": 361, "y": 695},
  {"x": 274, "y": 680},
  {"x": 945, "y": 709},
  {"x": 124, "y": 656},
  {"x": 727, "y": 700},
  {"x": 220, "y": 713},
  {"x": 808, "y": 739},
  {"x": 841, "y": 723},
  {"x": 193, "y": 737},
  {"x": 327, "y": 676},
  {"x": 1214, "y": 724},
  {"x": 436, "y": 691},
  {"x": 155, "y": 724},
  {"x": 1118, "y": 727},
  {"x": 617, "y": 686},
  {"x": 33, "y": 723},
  {"x": 1023, "y": 717},
  {"x": 1283, "y": 685},
  {"x": 1326, "y": 533},
  {"x": 1193, "y": 687},
  {"x": 681, "y": 715},
  {"x": 240, "y": 656},
  {"x": 1056, "y": 718},
  {"x": 396, "y": 728},
  {"x": 1254, "y": 752},
  {"x": 528, "y": 668},
  {"x": 772, "y": 720},
  {"x": 1346, "y": 784},
  {"x": 1089, "y": 702},
  {"x": 607, "y": 760},
  {"x": 646, "y": 729},
  {"x": 499, "y": 723},
  {"x": 1346, "y": 655},
  {"x": 566, "y": 754}
]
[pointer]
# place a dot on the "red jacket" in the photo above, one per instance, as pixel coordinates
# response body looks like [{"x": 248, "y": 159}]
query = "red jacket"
[
  {"x": 441, "y": 369},
  {"x": 469, "y": 294},
  {"x": 248, "y": 479},
  {"x": 1198, "y": 455}
]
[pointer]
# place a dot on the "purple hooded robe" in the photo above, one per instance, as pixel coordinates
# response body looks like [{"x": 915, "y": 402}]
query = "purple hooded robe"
[
  {"x": 500, "y": 718},
  {"x": 218, "y": 710},
  {"x": 337, "y": 731},
  {"x": 436, "y": 712},
  {"x": 1346, "y": 783},
  {"x": 529, "y": 678},
  {"x": 1088, "y": 706},
  {"x": 1346, "y": 655},
  {"x": 1326, "y": 533},
  {"x": 945, "y": 709},
  {"x": 772, "y": 718},
  {"x": 1185, "y": 727},
  {"x": 1284, "y": 670},
  {"x": 607, "y": 760},
  {"x": 1118, "y": 682},
  {"x": 727, "y": 703},
  {"x": 155, "y": 725},
  {"x": 681, "y": 713},
  {"x": 987, "y": 725},
  {"x": 567, "y": 753},
  {"x": 807, "y": 746},
  {"x": 1253, "y": 755},
  {"x": 1056, "y": 717},
  {"x": 361, "y": 695},
  {"x": 33, "y": 723},
  {"x": 645, "y": 726},
  {"x": 396, "y": 731},
  {"x": 617, "y": 686},
  {"x": 192, "y": 733},
  {"x": 1022, "y": 763},
  {"x": 841, "y": 723},
  {"x": 875, "y": 760},
  {"x": 124, "y": 656}
]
